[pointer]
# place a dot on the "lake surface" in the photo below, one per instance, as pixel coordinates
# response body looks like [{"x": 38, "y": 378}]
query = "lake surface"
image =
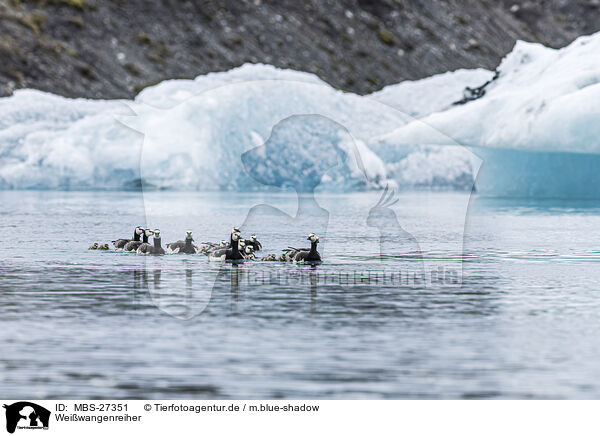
[{"x": 517, "y": 316}]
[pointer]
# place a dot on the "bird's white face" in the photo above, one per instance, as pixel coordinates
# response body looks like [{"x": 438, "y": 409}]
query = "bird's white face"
[
  {"x": 313, "y": 238},
  {"x": 235, "y": 236},
  {"x": 223, "y": 242},
  {"x": 139, "y": 230},
  {"x": 148, "y": 232},
  {"x": 253, "y": 238},
  {"x": 156, "y": 233},
  {"x": 188, "y": 235}
]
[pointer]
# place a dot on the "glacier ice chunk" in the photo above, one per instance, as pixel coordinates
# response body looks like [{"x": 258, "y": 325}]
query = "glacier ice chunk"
[
  {"x": 194, "y": 132},
  {"x": 544, "y": 101}
]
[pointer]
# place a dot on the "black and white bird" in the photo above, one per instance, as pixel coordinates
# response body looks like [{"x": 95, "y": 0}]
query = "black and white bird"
[
  {"x": 233, "y": 253},
  {"x": 120, "y": 243},
  {"x": 134, "y": 245},
  {"x": 154, "y": 248},
  {"x": 183, "y": 247},
  {"x": 304, "y": 255},
  {"x": 254, "y": 243}
]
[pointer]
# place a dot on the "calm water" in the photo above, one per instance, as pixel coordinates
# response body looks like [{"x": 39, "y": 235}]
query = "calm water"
[{"x": 517, "y": 318}]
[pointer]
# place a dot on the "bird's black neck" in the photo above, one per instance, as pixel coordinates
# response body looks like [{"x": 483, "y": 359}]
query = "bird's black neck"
[
  {"x": 235, "y": 248},
  {"x": 313, "y": 247},
  {"x": 157, "y": 243},
  {"x": 136, "y": 236},
  {"x": 145, "y": 239},
  {"x": 188, "y": 243}
]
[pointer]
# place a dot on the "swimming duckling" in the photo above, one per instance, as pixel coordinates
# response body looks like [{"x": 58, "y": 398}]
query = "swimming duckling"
[
  {"x": 270, "y": 258},
  {"x": 94, "y": 246},
  {"x": 289, "y": 253},
  {"x": 248, "y": 253},
  {"x": 103, "y": 247},
  {"x": 183, "y": 247},
  {"x": 229, "y": 254},
  {"x": 134, "y": 245},
  {"x": 310, "y": 256},
  {"x": 120, "y": 243},
  {"x": 207, "y": 247},
  {"x": 256, "y": 245},
  {"x": 155, "y": 248}
]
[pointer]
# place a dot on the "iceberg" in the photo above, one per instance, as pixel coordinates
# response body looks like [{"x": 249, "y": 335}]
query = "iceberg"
[
  {"x": 536, "y": 126},
  {"x": 50, "y": 142},
  {"x": 532, "y": 122},
  {"x": 198, "y": 143},
  {"x": 191, "y": 135}
]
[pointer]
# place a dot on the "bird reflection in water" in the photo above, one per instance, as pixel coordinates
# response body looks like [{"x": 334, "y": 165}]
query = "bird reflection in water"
[{"x": 184, "y": 294}]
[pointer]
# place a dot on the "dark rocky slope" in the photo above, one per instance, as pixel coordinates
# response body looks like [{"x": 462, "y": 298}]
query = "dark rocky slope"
[{"x": 114, "y": 48}]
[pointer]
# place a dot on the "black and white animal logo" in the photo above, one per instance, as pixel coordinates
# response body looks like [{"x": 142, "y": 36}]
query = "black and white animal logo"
[{"x": 26, "y": 415}]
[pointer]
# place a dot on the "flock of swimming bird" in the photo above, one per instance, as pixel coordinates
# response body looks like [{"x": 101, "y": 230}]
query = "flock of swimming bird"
[{"x": 237, "y": 249}]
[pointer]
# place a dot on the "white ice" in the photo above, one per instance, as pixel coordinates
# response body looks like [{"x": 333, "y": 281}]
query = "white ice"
[
  {"x": 191, "y": 134},
  {"x": 535, "y": 128}
]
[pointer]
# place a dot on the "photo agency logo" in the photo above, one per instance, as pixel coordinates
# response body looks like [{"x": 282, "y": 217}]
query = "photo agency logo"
[
  {"x": 272, "y": 164},
  {"x": 25, "y": 415}
]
